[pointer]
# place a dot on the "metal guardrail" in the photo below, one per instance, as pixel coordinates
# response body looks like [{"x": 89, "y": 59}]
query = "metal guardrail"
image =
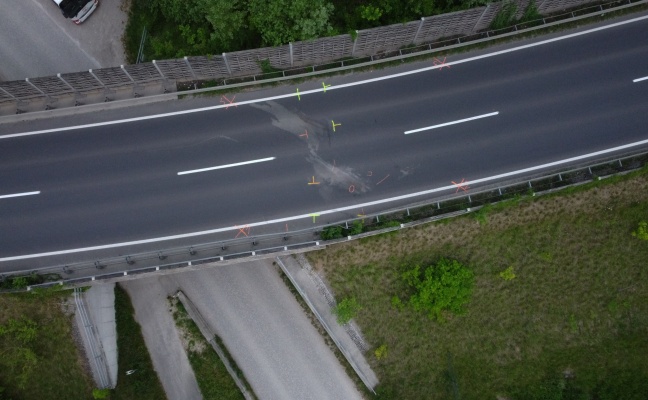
[
  {"x": 243, "y": 68},
  {"x": 431, "y": 209}
]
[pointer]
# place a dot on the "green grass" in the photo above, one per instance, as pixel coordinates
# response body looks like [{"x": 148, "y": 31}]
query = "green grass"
[
  {"x": 212, "y": 376},
  {"x": 133, "y": 355},
  {"x": 58, "y": 373},
  {"x": 577, "y": 307}
]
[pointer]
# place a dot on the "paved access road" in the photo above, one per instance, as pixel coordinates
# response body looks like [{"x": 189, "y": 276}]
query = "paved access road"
[
  {"x": 36, "y": 40},
  {"x": 272, "y": 341},
  {"x": 119, "y": 183}
]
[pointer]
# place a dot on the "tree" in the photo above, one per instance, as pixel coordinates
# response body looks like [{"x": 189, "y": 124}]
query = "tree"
[
  {"x": 283, "y": 21},
  {"x": 444, "y": 286},
  {"x": 228, "y": 19}
]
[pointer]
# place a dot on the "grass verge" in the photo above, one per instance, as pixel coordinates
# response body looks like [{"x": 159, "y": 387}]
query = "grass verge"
[
  {"x": 212, "y": 376},
  {"x": 57, "y": 370},
  {"x": 573, "y": 319},
  {"x": 133, "y": 355}
]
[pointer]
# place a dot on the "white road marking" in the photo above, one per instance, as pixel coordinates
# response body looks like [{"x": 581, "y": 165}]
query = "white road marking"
[
  {"x": 640, "y": 79},
  {"x": 193, "y": 171},
  {"x": 459, "y": 121},
  {"x": 335, "y": 210},
  {"x": 6, "y": 196},
  {"x": 284, "y": 96}
]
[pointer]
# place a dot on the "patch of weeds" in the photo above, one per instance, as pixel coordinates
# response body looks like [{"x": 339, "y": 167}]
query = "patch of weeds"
[
  {"x": 213, "y": 378},
  {"x": 505, "y": 17},
  {"x": 133, "y": 355},
  {"x": 266, "y": 67},
  {"x": 642, "y": 231}
]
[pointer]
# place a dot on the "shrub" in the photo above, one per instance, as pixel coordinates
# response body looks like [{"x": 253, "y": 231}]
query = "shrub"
[
  {"x": 505, "y": 17},
  {"x": 100, "y": 393},
  {"x": 346, "y": 310},
  {"x": 443, "y": 287},
  {"x": 381, "y": 351},
  {"x": 331, "y": 232},
  {"x": 642, "y": 231},
  {"x": 507, "y": 274}
]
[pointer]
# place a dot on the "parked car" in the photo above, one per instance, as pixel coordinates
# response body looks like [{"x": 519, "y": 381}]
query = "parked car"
[{"x": 77, "y": 10}]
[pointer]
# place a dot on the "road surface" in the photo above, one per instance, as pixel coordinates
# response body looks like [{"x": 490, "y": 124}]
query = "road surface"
[{"x": 154, "y": 183}]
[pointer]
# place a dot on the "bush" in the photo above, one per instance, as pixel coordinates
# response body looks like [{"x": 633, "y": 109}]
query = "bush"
[
  {"x": 331, "y": 232},
  {"x": 100, "y": 393},
  {"x": 381, "y": 351},
  {"x": 505, "y": 17},
  {"x": 642, "y": 231},
  {"x": 346, "y": 310},
  {"x": 507, "y": 274},
  {"x": 443, "y": 287}
]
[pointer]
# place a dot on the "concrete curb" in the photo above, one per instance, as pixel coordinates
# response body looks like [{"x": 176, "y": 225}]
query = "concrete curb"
[{"x": 319, "y": 307}]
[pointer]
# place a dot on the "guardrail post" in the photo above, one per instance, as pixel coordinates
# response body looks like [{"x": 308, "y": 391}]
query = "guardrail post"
[
  {"x": 355, "y": 41},
  {"x": 290, "y": 46},
  {"x": 418, "y": 30},
  {"x": 229, "y": 71}
]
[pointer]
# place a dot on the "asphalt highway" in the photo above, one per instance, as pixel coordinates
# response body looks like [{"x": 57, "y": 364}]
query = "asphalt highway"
[{"x": 119, "y": 183}]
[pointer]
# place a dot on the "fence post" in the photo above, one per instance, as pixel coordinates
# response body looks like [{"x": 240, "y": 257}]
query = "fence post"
[
  {"x": 480, "y": 18},
  {"x": 158, "y": 69},
  {"x": 64, "y": 81},
  {"x": 291, "y": 53},
  {"x": 34, "y": 86},
  {"x": 189, "y": 66},
  {"x": 8, "y": 94},
  {"x": 127, "y": 74},
  {"x": 418, "y": 30},
  {"x": 97, "y": 78},
  {"x": 229, "y": 71},
  {"x": 355, "y": 41},
  {"x": 540, "y": 6}
]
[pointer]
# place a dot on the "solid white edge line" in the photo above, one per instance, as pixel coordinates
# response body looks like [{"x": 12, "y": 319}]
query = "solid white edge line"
[
  {"x": 238, "y": 164},
  {"x": 459, "y": 121},
  {"x": 6, "y": 196},
  {"x": 283, "y": 96},
  {"x": 640, "y": 79},
  {"x": 340, "y": 209}
]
